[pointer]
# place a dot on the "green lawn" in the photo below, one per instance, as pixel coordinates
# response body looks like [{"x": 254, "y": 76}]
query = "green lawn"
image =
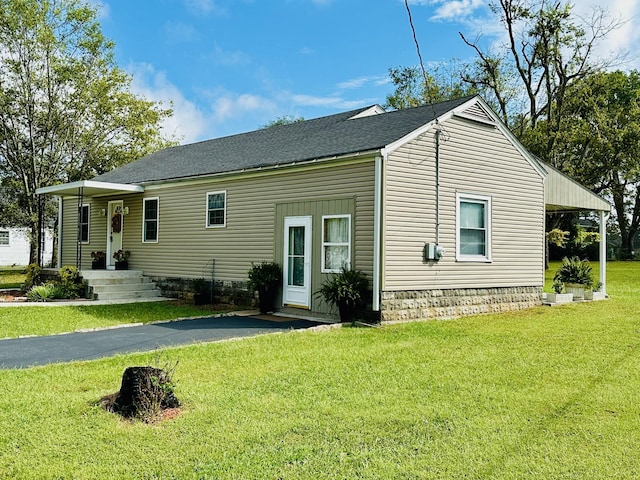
[
  {"x": 40, "y": 320},
  {"x": 542, "y": 393},
  {"x": 11, "y": 277}
]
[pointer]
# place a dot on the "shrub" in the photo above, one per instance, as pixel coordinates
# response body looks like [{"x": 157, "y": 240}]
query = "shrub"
[
  {"x": 347, "y": 290},
  {"x": 32, "y": 277},
  {"x": 70, "y": 284},
  {"x": 574, "y": 270},
  {"x": 43, "y": 293}
]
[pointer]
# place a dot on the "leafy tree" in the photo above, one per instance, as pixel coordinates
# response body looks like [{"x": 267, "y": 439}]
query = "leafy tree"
[
  {"x": 598, "y": 143},
  {"x": 66, "y": 112},
  {"x": 547, "y": 50},
  {"x": 283, "y": 120},
  {"x": 412, "y": 88},
  {"x": 542, "y": 80}
]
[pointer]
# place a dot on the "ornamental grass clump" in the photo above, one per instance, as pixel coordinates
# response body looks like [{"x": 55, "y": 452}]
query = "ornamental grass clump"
[
  {"x": 348, "y": 291},
  {"x": 265, "y": 278},
  {"x": 575, "y": 271}
]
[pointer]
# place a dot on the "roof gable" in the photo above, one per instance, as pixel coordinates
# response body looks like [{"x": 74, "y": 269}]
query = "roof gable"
[{"x": 477, "y": 112}]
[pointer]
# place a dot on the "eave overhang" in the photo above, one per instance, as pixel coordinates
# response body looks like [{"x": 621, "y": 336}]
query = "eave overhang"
[{"x": 89, "y": 188}]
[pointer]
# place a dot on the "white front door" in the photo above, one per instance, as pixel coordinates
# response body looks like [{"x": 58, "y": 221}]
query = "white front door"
[
  {"x": 115, "y": 227},
  {"x": 297, "y": 262}
]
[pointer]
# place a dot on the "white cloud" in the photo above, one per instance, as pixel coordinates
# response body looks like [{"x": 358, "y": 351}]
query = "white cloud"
[
  {"x": 187, "y": 123},
  {"x": 376, "y": 80},
  {"x": 455, "y": 9},
  {"x": 229, "y": 105},
  {"x": 337, "y": 102}
]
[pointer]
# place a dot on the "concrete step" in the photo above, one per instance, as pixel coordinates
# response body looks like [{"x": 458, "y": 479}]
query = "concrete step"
[
  {"x": 122, "y": 287},
  {"x": 110, "y": 274},
  {"x": 119, "y": 281},
  {"x": 128, "y": 295},
  {"x": 113, "y": 285}
]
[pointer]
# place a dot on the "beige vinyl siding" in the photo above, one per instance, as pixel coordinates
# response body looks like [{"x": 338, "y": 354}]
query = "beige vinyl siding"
[
  {"x": 474, "y": 159},
  {"x": 186, "y": 247},
  {"x": 97, "y": 230}
]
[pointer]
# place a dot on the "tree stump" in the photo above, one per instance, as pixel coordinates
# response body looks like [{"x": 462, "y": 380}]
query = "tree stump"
[{"x": 144, "y": 393}]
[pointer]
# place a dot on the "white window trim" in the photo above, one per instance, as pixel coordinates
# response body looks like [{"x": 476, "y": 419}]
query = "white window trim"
[
  {"x": 486, "y": 200},
  {"x": 144, "y": 219},
  {"x": 332, "y": 244},
  {"x": 8, "y": 244},
  {"x": 88, "y": 240},
  {"x": 206, "y": 209}
]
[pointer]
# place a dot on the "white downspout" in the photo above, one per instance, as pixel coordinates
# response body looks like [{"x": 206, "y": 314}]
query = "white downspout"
[
  {"x": 377, "y": 230},
  {"x": 60, "y": 213},
  {"x": 603, "y": 250}
]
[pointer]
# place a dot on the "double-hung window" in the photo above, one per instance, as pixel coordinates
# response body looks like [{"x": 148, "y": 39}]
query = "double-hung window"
[
  {"x": 83, "y": 223},
  {"x": 150, "y": 215},
  {"x": 216, "y": 209},
  {"x": 473, "y": 228},
  {"x": 336, "y": 243},
  {"x": 4, "y": 237}
]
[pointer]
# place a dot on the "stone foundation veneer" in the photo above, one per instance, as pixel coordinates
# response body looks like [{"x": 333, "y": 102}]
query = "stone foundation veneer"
[
  {"x": 434, "y": 304},
  {"x": 235, "y": 293}
]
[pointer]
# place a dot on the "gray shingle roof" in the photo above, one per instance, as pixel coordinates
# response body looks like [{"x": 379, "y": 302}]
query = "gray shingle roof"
[{"x": 323, "y": 137}]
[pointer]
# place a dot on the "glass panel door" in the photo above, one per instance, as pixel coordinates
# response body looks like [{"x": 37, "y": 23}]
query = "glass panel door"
[
  {"x": 297, "y": 262},
  {"x": 296, "y": 256}
]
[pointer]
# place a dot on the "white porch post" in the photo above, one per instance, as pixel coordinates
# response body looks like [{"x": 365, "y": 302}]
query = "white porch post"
[{"x": 603, "y": 250}]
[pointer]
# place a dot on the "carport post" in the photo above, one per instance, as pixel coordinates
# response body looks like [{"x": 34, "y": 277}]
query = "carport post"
[
  {"x": 603, "y": 250},
  {"x": 79, "y": 230}
]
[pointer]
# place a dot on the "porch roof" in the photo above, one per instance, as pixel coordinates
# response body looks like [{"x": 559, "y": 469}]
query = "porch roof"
[
  {"x": 89, "y": 188},
  {"x": 562, "y": 193}
]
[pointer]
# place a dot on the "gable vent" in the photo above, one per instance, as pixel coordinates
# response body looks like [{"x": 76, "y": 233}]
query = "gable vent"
[{"x": 477, "y": 113}]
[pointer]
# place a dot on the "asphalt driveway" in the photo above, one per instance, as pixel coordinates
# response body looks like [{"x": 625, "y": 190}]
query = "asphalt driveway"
[{"x": 32, "y": 351}]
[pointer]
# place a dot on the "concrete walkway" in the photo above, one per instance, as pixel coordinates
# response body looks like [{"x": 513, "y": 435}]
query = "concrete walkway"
[{"x": 33, "y": 351}]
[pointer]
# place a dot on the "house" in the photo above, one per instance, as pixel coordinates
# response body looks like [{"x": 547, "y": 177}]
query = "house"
[
  {"x": 439, "y": 205},
  {"x": 15, "y": 246}
]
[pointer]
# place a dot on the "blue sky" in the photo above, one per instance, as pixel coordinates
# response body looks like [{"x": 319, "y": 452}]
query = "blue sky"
[{"x": 230, "y": 66}]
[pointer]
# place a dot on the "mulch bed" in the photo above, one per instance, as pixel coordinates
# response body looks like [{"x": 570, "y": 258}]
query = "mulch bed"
[{"x": 12, "y": 296}]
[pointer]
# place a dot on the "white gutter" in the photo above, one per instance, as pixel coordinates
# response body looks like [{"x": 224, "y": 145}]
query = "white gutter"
[{"x": 377, "y": 230}]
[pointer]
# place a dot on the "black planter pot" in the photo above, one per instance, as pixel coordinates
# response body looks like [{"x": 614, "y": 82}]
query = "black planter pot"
[
  {"x": 347, "y": 312},
  {"x": 201, "y": 299},
  {"x": 122, "y": 265},
  {"x": 267, "y": 299},
  {"x": 100, "y": 264}
]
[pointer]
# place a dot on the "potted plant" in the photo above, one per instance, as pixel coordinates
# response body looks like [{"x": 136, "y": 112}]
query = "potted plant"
[
  {"x": 122, "y": 259},
  {"x": 98, "y": 260},
  {"x": 558, "y": 296},
  {"x": 576, "y": 275},
  {"x": 265, "y": 278},
  {"x": 596, "y": 293},
  {"x": 348, "y": 291}
]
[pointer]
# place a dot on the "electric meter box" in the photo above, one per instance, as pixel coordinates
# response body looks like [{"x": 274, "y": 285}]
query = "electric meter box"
[{"x": 432, "y": 252}]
